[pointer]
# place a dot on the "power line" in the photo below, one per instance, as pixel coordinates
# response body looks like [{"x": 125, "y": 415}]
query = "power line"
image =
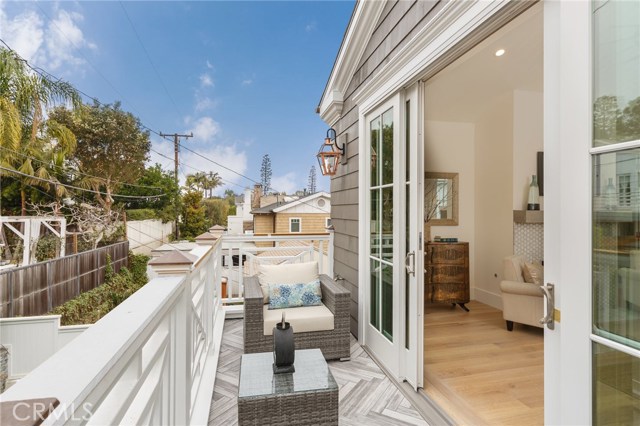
[
  {"x": 87, "y": 59},
  {"x": 149, "y": 59},
  {"x": 220, "y": 165},
  {"x": 79, "y": 172},
  {"x": 53, "y": 182}
]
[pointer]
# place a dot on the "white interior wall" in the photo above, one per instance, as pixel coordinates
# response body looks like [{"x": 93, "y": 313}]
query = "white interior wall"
[
  {"x": 493, "y": 197},
  {"x": 449, "y": 148},
  {"x": 527, "y": 142},
  {"x": 495, "y": 157}
]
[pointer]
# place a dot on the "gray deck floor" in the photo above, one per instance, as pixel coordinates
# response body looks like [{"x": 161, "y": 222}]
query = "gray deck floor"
[{"x": 367, "y": 396}]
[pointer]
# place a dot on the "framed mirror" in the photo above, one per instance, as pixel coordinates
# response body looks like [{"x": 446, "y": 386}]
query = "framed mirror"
[{"x": 441, "y": 198}]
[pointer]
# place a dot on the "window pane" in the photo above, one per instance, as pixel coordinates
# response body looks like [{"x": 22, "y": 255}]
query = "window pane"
[
  {"x": 616, "y": 387},
  {"x": 375, "y": 222},
  {"x": 375, "y": 151},
  {"x": 616, "y": 247},
  {"x": 375, "y": 286},
  {"x": 616, "y": 57},
  {"x": 387, "y": 147},
  {"x": 407, "y": 145},
  {"x": 387, "y": 224},
  {"x": 387, "y": 301}
]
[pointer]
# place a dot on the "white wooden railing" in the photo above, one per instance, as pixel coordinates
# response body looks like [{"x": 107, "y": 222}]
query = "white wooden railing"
[
  {"x": 243, "y": 253},
  {"x": 151, "y": 360}
]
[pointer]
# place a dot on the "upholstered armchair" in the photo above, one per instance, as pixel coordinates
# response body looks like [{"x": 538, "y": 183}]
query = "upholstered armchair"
[
  {"x": 522, "y": 302},
  {"x": 325, "y": 327}
]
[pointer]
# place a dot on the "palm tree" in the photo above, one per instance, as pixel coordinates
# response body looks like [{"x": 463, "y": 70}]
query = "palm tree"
[{"x": 25, "y": 95}]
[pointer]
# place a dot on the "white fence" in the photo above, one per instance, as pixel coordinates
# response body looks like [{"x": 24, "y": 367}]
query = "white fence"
[
  {"x": 145, "y": 235},
  {"x": 32, "y": 340},
  {"x": 151, "y": 360}
]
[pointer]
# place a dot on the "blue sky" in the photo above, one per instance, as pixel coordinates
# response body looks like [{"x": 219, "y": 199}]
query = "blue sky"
[{"x": 244, "y": 77}]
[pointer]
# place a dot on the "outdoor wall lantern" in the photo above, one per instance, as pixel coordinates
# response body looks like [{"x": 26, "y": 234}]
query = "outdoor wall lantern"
[{"x": 330, "y": 153}]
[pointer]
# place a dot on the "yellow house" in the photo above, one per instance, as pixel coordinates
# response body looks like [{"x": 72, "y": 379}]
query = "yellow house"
[{"x": 306, "y": 215}]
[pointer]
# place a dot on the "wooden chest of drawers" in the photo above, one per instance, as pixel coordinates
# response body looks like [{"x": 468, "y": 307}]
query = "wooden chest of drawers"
[{"x": 447, "y": 273}]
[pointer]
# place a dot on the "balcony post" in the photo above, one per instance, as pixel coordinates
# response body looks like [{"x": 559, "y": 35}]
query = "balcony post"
[{"x": 172, "y": 264}]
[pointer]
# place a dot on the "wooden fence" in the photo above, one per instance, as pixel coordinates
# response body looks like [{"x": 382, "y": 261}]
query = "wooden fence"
[{"x": 38, "y": 288}]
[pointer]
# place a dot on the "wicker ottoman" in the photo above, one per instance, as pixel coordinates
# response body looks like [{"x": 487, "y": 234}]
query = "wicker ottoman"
[{"x": 307, "y": 397}]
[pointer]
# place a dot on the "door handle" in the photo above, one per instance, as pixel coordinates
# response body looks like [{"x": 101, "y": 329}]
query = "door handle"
[
  {"x": 549, "y": 294},
  {"x": 410, "y": 266}
]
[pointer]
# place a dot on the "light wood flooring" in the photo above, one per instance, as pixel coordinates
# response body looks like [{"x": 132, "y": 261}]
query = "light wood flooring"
[
  {"x": 367, "y": 396},
  {"x": 480, "y": 373}
]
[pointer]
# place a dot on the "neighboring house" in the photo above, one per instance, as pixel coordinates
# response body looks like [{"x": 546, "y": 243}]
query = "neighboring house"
[
  {"x": 477, "y": 88},
  {"x": 242, "y": 221},
  {"x": 306, "y": 215}
]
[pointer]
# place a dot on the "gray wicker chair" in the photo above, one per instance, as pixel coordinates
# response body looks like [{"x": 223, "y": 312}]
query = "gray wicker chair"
[{"x": 334, "y": 344}]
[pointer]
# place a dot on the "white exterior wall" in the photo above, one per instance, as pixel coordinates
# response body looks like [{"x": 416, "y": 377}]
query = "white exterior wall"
[
  {"x": 32, "y": 340},
  {"x": 145, "y": 235}
]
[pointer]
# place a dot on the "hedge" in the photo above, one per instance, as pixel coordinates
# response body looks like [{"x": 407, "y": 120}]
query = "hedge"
[{"x": 92, "y": 305}]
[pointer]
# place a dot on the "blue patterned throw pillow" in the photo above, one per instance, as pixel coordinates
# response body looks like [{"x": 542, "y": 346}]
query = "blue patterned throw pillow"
[{"x": 294, "y": 295}]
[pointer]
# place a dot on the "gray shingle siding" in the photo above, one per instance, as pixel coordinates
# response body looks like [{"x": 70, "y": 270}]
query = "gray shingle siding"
[{"x": 399, "y": 21}]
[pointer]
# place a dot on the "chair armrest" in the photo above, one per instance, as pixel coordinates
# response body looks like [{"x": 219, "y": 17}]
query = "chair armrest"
[
  {"x": 524, "y": 289},
  {"x": 335, "y": 297},
  {"x": 253, "y": 299},
  {"x": 252, "y": 289}
]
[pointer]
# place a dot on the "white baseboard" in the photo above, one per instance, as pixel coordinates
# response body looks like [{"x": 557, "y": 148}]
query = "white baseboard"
[{"x": 488, "y": 298}]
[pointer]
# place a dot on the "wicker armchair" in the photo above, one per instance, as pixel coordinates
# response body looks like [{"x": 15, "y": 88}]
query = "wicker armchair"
[{"x": 334, "y": 344}]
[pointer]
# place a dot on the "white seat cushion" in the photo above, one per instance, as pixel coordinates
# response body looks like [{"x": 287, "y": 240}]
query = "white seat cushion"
[{"x": 302, "y": 319}]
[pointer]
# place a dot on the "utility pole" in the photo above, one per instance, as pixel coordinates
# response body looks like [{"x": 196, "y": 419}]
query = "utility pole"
[{"x": 176, "y": 150}]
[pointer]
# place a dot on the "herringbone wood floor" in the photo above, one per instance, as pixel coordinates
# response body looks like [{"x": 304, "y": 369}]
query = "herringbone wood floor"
[{"x": 367, "y": 396}]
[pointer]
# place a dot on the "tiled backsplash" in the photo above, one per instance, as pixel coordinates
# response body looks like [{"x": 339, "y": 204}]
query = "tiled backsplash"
[{"x": 528, "y": 240}]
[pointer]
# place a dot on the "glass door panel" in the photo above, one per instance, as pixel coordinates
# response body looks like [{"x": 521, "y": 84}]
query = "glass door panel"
[
  {"x": 381, "y": 223},
  {"x": 616, "y": 213}
]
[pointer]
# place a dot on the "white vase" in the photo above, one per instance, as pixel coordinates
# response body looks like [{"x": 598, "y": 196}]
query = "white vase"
[{"x": 533, "y": 202}]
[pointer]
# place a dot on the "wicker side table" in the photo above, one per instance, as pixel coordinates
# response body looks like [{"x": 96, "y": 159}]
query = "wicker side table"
[{"x": 307, "y": 397}]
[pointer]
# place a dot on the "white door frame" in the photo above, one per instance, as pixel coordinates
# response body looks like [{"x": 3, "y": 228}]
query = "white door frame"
[
  {"x": 567, "y": 216},
  {"x": 412, "y": 359}
]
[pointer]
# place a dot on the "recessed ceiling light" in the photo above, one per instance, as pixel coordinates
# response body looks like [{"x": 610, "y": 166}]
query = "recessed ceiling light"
[{"x": 499, "y": 52}]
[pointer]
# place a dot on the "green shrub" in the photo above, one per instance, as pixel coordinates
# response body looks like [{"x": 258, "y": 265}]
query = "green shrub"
[
  {"x": 92, "y": 305},
  {"x": 141, "y": 214},
  {"x": 47, "y": 248}
]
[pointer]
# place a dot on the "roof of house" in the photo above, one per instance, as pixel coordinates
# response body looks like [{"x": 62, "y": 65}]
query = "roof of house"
[{"x": 281, "y": 206}]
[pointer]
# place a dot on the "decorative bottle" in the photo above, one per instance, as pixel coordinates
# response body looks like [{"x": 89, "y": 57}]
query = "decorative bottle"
[
  {"x": 533, "y": 202},
  {"x": 610, "y": 195}
]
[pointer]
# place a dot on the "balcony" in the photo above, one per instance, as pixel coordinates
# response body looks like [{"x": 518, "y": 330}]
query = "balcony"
[{"x": 154, "y": 359}]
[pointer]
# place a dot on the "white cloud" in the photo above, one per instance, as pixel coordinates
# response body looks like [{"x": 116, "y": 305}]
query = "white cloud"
[
  {"x": 247, "y": 82},
  {"x": 227, "y": 155},
  {"x": 206, "y": 80},
  {"x": 204, "y": 104},
  {"x": 48, "y": 45},
  {"x": 286, "y": 183},
  {"x": 24, "y": 32},
  {"x": 209, "y": 65},
  {"x": 205, "y": 129},
  {"x": 311, "y": 26}
]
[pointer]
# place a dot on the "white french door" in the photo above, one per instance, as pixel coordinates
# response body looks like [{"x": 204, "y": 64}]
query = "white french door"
[
  {"x": 391, "y": 259},
  {"x": 382, "y": 223},
  {"x": 413, "y": 201}
]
